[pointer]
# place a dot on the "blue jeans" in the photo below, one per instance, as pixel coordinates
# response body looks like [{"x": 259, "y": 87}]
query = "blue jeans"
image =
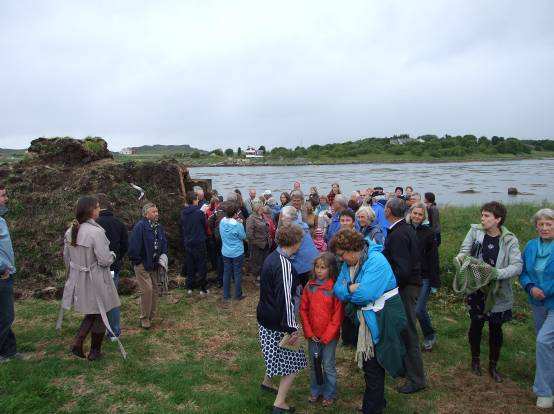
[
  {"x": 114, "y": 314},
  {"x": 329, "y": 387},
  {"x": 7, "y": 314},
  {"x": 544, "y": 373},
  {"x": 232, "y": 268},
  {"x": 421, "y": 310}
]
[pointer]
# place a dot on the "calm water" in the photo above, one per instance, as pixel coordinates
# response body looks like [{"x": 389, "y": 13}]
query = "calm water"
[{"x": 489, "y": 180}]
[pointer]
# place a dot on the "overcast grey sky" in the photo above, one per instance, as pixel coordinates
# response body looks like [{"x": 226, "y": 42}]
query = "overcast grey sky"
[{"x": 233, "y": 73}]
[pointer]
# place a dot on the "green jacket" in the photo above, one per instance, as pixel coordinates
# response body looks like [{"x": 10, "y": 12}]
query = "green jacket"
[
  {"x": 390, "y": 350},
  {"x": 509, "y": 263}
]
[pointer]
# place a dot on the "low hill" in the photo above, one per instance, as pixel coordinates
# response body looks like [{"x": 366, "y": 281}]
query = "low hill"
[{"x": 167, "y": 149}]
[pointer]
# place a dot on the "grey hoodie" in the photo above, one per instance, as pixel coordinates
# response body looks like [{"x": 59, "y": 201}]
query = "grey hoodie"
[{"x": 509, "y": 263}]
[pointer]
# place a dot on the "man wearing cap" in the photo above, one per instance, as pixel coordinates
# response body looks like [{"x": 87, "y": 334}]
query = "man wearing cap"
[{"x": 147, "y": 249}]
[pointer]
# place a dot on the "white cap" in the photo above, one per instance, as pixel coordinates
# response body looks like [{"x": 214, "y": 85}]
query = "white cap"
[{"x": 267, "y": 192}]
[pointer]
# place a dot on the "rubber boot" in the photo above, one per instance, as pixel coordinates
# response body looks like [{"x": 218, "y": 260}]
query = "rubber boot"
[
  {"x": 495, "y": 375},
  {"x": 96, "y": 339},
  {"x": 77, "y": 347},
  {"x": 476, "y": 366}
]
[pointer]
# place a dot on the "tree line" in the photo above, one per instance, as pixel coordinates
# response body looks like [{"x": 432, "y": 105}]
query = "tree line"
[{"x": 422, "y": 146}]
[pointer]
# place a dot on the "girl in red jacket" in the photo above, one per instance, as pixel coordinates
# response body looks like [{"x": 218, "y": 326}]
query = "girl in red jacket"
[{"x": 321, "y": 313}]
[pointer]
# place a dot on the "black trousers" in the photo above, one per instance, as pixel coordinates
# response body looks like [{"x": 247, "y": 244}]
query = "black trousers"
[
  {"x": 195, "y": 266},
  {"x": 495, "y": 338},
  {"x": 374, "y": 394}
]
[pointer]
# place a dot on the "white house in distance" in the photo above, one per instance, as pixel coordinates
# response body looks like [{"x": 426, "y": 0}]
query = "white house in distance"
[
  {"x": 252, "y": 152},
  {"x": 128, "y": 151}
]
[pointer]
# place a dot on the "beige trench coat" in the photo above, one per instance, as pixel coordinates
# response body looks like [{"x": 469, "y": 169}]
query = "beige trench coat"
[{"x": 89, "y": 288}]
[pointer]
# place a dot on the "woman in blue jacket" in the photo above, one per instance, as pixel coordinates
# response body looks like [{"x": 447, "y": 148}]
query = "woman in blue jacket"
[
  {"x": 367, "y": 285},
  {"x": 537, "y": 278}
]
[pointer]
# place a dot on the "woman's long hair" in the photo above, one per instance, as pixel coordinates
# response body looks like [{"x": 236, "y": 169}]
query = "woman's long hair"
[{"x": 83, "y": 211}]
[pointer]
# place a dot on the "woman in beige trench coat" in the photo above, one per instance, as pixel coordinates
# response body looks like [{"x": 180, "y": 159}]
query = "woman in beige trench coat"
[{"x": 89, "y": 289}]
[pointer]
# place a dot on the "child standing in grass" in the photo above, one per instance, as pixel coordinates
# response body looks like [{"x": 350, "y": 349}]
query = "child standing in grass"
[{"x": 321, "y": 313}]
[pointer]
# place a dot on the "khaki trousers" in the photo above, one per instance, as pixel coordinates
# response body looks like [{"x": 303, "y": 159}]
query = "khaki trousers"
[{"x": 148, "y": 285}]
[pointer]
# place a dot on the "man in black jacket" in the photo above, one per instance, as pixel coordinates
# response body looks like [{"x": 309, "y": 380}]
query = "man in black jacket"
[
  {"x": 193, "y": 233},
  {"x": 116, "y": 232},
  {"x": 403, "y": 253}
]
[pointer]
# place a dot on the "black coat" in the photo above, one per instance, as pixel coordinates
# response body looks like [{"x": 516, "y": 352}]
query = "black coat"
[
  {"x": 403, "y": 254},
  {"x": 116, "y": 232},
  {"x": 429, "y": 255}
]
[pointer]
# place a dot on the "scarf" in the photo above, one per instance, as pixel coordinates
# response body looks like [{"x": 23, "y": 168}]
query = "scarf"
[
  {"x": 154, "y": 225},
  {"x": 364, "y": 347}
]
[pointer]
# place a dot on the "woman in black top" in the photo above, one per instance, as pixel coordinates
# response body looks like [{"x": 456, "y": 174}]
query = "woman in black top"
[{"x": 276, "y": 316}]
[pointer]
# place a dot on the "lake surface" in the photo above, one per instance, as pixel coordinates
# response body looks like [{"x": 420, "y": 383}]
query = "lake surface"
[{"x": 449, "y": 181}]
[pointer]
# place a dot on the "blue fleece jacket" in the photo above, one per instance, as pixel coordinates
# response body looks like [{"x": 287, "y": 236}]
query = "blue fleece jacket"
[
  {"x": 374, "y": 278},
  {"x": 7, "y": 257},
  {"x": 380, "y": 217},
  {"x": 303, "y": 259},
  {"x": 529, "y": 277},
  {"x": 232, "y": 237}
]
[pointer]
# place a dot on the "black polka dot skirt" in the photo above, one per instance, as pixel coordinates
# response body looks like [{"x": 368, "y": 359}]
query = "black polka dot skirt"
[{"x": 279, "y": 361}]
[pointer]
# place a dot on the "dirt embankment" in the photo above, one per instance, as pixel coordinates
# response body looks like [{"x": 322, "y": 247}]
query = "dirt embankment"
[{"x": 44, "y": 187}]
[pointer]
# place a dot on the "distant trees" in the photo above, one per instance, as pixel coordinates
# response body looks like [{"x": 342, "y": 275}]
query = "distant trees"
[
  {"x": 218, "y": 152},
  {"x": 239, "y": 151},
  {"x": 229, "y": 152},
  {"x": 262, "y": 148}
]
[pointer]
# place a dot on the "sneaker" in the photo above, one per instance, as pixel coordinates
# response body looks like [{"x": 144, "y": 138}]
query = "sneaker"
[
  {"x": 113, "y": 338},
  {"x": 545, "y": 402},
  {"x": 241, "y": 297},
  {"x": 189, "y": 292},
  {"x": 429, "y": 342},
  {"x": 23, "y": 356},
  {"x": 145, "y": 323}
]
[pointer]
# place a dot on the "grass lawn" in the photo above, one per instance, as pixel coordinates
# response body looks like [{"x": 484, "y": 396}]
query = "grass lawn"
[{"x": 203, "y": 357}]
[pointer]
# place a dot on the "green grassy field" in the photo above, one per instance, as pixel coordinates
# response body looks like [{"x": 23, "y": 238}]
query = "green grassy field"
[{"x": 203, "y": 357}]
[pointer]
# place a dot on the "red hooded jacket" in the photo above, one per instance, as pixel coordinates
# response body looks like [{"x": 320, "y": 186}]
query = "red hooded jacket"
[{"x": 321, "y": 311}]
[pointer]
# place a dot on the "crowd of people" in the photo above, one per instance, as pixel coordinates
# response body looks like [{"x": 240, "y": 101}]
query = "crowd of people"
[{"x": 358, "y": 269}]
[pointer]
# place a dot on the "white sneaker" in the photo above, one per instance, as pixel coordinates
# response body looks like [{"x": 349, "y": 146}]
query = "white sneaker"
[
  {"x": 189, "y": 292},
  {"x": 113, "y": 338},
  {"x": 545, "y": 402}
]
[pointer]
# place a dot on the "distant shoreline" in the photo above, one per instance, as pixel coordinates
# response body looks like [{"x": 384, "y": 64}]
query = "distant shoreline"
[{"x": 355, "y": 162}]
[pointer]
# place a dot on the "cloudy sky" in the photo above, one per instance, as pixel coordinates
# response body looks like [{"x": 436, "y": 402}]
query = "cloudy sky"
[{"x": 233, "y": 73}]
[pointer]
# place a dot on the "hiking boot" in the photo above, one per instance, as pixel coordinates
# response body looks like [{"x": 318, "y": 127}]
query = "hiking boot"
[
  {"x": 410, "y": 388},
  {"x": 77, "y": 347},
  {"x": 95, "y": 346},
  {"x": 495, "y": 375},
  {"x": 476, "y": 366}
]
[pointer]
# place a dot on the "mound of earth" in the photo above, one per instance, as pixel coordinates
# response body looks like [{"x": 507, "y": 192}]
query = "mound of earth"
[{"x": 44, "y": 188}]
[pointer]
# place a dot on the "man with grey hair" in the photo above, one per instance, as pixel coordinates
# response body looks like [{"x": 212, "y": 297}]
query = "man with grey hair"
[
  {"x": 297, "y": 201},
  {"x": 147, "y": 245},
  {"x": 249, "y": 200},
  {"x": 340, "y": 203},
  {"x": 403, "y": 254}
]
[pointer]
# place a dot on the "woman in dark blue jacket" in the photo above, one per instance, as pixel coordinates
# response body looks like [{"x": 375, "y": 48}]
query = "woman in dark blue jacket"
[{"x": 537, "y": 278}]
